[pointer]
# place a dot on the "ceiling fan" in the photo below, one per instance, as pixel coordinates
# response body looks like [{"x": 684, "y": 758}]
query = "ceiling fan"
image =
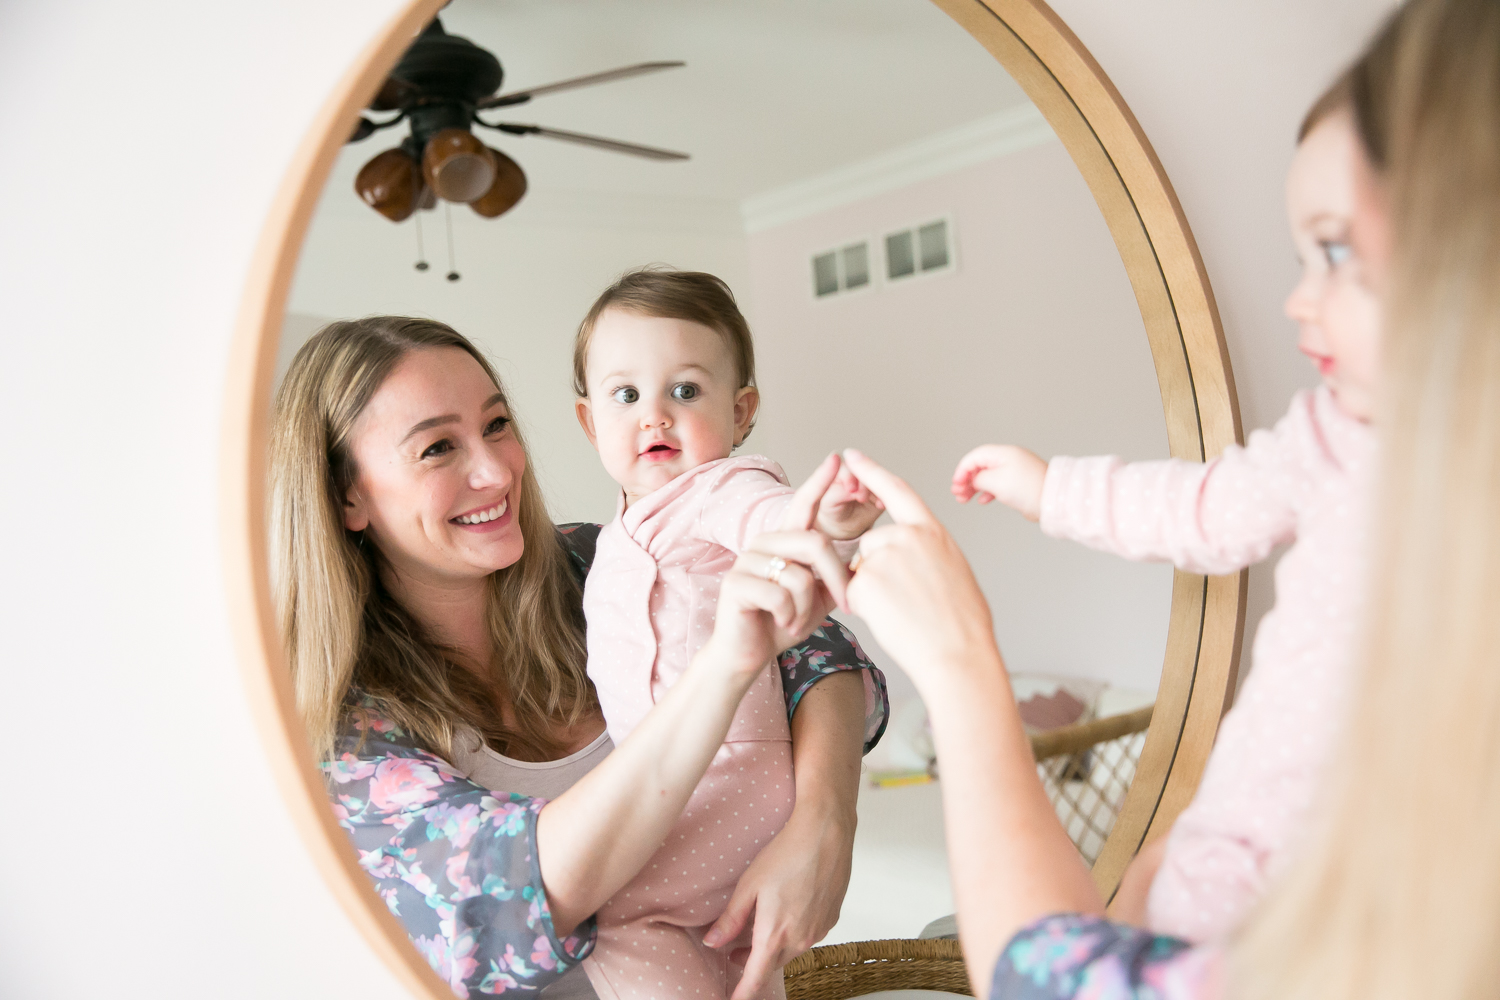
[{"x": 440, "y": 86}]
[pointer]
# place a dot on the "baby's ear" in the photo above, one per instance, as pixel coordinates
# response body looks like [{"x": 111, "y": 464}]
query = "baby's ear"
[
  {"x": 585, "y": 413},
  {"x": 746, "y": 403}
]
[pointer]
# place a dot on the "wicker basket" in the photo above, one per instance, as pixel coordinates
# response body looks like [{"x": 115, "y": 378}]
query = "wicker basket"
[{"x": 840, "y": 971}]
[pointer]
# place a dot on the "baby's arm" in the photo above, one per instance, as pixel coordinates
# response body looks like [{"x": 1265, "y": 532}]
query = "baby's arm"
[
  {"x": 1002, "y": 472},
  {"x": 747, "y": 501},
  {"x": 1203, "y": 517}
]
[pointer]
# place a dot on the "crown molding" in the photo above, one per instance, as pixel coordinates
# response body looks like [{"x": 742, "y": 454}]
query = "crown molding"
[{"x": 988, "y": 138}]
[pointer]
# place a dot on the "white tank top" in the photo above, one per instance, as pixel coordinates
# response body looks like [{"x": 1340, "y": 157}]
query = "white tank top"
[{"x": 540, "y": 780}]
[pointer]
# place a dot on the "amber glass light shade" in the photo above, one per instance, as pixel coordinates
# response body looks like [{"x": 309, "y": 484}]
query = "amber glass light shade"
[
  {"x": 390, "y": 184},
  {"x": 457, "y": 166},
  {"x": 508, "y": 188}
]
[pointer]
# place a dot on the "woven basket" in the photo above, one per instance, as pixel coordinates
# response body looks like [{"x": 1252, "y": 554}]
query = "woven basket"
[{"x": 840, "y": 971}]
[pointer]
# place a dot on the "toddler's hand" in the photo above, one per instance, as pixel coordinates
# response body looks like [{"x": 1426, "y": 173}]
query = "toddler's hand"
[
  {"x": 1002, "y": 472},
  {"x": 848, "y": 509}
]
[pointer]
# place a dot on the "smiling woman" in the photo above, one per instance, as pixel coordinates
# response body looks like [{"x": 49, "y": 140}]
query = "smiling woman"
[{"x": 431, "y": 616}]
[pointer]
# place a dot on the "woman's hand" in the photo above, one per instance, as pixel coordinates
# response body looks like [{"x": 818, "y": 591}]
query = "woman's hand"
[
  {"x": 914, "y": 588},
  {"x": 1011, "y": 860},
  {"x": 1003, "y": 472},
  {"x": 794, "y": 888}
]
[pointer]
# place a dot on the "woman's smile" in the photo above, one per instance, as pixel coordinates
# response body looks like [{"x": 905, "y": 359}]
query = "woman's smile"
[{"x": 490, "y": 518}]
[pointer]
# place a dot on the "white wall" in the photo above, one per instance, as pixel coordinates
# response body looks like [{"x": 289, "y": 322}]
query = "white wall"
[
  {"x": 152, "y": 853},
  {"x": 1034, "y": 337}
]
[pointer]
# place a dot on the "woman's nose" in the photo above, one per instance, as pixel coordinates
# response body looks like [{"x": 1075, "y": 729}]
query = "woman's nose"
[{"x": 488, "y": 471}]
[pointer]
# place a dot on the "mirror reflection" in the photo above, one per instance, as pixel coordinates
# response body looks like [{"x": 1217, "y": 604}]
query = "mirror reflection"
[{"x": 922, "y": 270}]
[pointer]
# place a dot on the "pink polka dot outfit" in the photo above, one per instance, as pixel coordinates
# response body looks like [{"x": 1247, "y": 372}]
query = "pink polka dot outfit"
[
  {"x": 650, "y": 601},
  {"x": 1306, "y": 480}
]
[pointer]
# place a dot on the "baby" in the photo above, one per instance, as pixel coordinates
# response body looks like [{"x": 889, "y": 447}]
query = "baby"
[
  {"x": 665, "y": 372},
  {"x": 1302, "y": 481}
]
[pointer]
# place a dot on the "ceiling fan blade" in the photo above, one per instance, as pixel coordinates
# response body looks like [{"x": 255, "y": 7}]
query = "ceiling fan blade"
[
  {"x": 598, "y": 142},
  {"x": 522, "y": 96}
]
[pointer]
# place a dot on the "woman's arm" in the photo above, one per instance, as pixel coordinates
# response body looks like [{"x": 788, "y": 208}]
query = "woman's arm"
[
  {"x": 1012, "y": 861},
  {"x": 795, "y": 886},
  {"x": 1028, "y": 913}
]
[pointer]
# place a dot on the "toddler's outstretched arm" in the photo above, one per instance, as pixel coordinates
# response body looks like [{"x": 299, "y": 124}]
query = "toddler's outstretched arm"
[{"x": 1003, "y": 472}]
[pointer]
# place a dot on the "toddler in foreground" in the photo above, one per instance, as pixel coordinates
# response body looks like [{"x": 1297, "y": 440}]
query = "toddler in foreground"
[
  {"x": 1302, "y": 481},
  {"x": 665, "y": 369}
]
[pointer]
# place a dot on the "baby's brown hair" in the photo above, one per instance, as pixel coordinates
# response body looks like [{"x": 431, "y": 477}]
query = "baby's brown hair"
[{"x": 667, "y": 293}]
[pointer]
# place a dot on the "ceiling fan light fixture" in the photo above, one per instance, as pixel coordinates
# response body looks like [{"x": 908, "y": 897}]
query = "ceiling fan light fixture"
[
  {"x": 390, "y": 184},
  {"x": 508, "y": 188},
  {"x": 457, "y": 166}
]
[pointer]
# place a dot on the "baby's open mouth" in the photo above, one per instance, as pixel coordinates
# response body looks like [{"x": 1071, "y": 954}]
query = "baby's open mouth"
[
  {"x": 660, "y": 450},
  {"x": 481, "y": 516}
]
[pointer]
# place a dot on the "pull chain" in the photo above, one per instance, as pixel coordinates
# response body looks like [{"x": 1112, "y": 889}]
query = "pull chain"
[
  {"x": 448, "y": 219},
  {"x": 421, "y": 257}
]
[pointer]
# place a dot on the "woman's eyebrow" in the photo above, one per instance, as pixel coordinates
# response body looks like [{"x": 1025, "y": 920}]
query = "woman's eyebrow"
[
  {"x": 429, "y": 423},
  {"x": 448, "y": 418}
]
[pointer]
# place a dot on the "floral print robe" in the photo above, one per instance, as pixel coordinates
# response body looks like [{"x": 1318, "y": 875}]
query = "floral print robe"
[
  {"x": 457, "y": 863},
  {"x": 1076, "y": 957}
]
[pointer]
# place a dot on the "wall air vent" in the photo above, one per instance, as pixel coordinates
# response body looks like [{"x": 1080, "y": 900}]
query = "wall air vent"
[
  {"x": 843, "y": 270},
  {"x": 919, "y": 250}
]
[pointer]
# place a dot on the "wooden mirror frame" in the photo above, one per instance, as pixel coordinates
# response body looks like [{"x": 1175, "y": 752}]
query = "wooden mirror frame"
[{"x": 1187, "y": 345}]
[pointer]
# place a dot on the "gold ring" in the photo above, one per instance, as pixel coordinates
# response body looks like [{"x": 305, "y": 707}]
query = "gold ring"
[{"x": 774, "y": 568}]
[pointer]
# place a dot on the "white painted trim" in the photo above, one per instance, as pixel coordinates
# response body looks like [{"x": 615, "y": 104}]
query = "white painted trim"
[{"x": 986, "y": 139}]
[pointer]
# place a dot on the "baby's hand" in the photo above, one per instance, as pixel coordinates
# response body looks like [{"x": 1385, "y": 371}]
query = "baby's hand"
[
  {"x": 848, "y": 508},
  {"x": 1002, "y": 472}
]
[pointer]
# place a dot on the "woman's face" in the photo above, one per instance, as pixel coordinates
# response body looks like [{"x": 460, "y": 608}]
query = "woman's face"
[
  {"x": 439, "y": 471},
  {"x": 1336, "y": 305}
]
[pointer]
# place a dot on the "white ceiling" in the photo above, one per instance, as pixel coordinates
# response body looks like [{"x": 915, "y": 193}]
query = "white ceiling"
[{"x": 774, "y": 91}]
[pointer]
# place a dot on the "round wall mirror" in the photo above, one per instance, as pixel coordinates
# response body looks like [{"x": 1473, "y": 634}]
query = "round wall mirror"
[{"x": 945, "y": 228}]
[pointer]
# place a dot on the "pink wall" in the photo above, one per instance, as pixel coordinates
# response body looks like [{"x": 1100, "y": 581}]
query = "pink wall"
[{"x": 1034, "y": 338}]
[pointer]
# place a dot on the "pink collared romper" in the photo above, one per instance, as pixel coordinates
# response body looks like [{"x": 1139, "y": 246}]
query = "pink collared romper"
[
  {"x": 650, "y": 601},
  {"x": 1306, "y": 480}
]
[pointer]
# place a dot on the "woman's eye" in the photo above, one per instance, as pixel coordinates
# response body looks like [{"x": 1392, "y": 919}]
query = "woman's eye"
[
  {"x": 685, "y": 391},
  {"x": 496, "y": 426},
  {"x": 626, "y": 394},
  {"x": 438, "y": 448},
  {"x": 1336, "y": 253}
]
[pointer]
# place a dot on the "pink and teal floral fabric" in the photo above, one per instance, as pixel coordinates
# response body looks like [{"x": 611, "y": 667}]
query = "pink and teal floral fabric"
[
  {"x": 457, "y": 863},
  {"x": 1075, "y": 957}
]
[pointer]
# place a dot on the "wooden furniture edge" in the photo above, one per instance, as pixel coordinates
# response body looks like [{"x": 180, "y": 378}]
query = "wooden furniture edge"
[
  {"x": 1081, "y": 736},
  {"x": 1219, "y": 601},
  {"x": 242, "y": 490},
  {"x": 1198, "y": 396}
]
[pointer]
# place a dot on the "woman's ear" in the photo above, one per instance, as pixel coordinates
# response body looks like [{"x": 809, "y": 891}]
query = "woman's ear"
[
  {"x": 746, "y": 402},
  {"x": 356, "y": 513},
  {"x": 585, "y": 414}
]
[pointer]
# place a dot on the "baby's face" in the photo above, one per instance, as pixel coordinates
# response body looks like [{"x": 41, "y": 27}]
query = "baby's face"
[
  {"x": 1335, "y": 306},
  {"x": 663, "y": 398}
]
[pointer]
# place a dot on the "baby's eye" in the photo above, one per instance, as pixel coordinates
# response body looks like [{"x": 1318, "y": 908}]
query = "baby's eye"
[
  {"x": 626, "y": 394},
  {"x": 685, "y": 391},
  {"x": 438, "y": 448},
  {"x": 1336, "y": 252},
  {"x": 496, "y": 426}
]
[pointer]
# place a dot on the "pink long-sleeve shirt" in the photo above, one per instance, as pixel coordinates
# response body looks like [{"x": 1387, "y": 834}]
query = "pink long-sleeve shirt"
[{"x": 1304, "y": 481}]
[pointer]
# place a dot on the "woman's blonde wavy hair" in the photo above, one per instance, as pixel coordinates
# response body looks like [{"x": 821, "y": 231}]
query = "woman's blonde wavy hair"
[
  {"x": 343, "y": 629},
  {"x": 1396, "y": 893}
]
